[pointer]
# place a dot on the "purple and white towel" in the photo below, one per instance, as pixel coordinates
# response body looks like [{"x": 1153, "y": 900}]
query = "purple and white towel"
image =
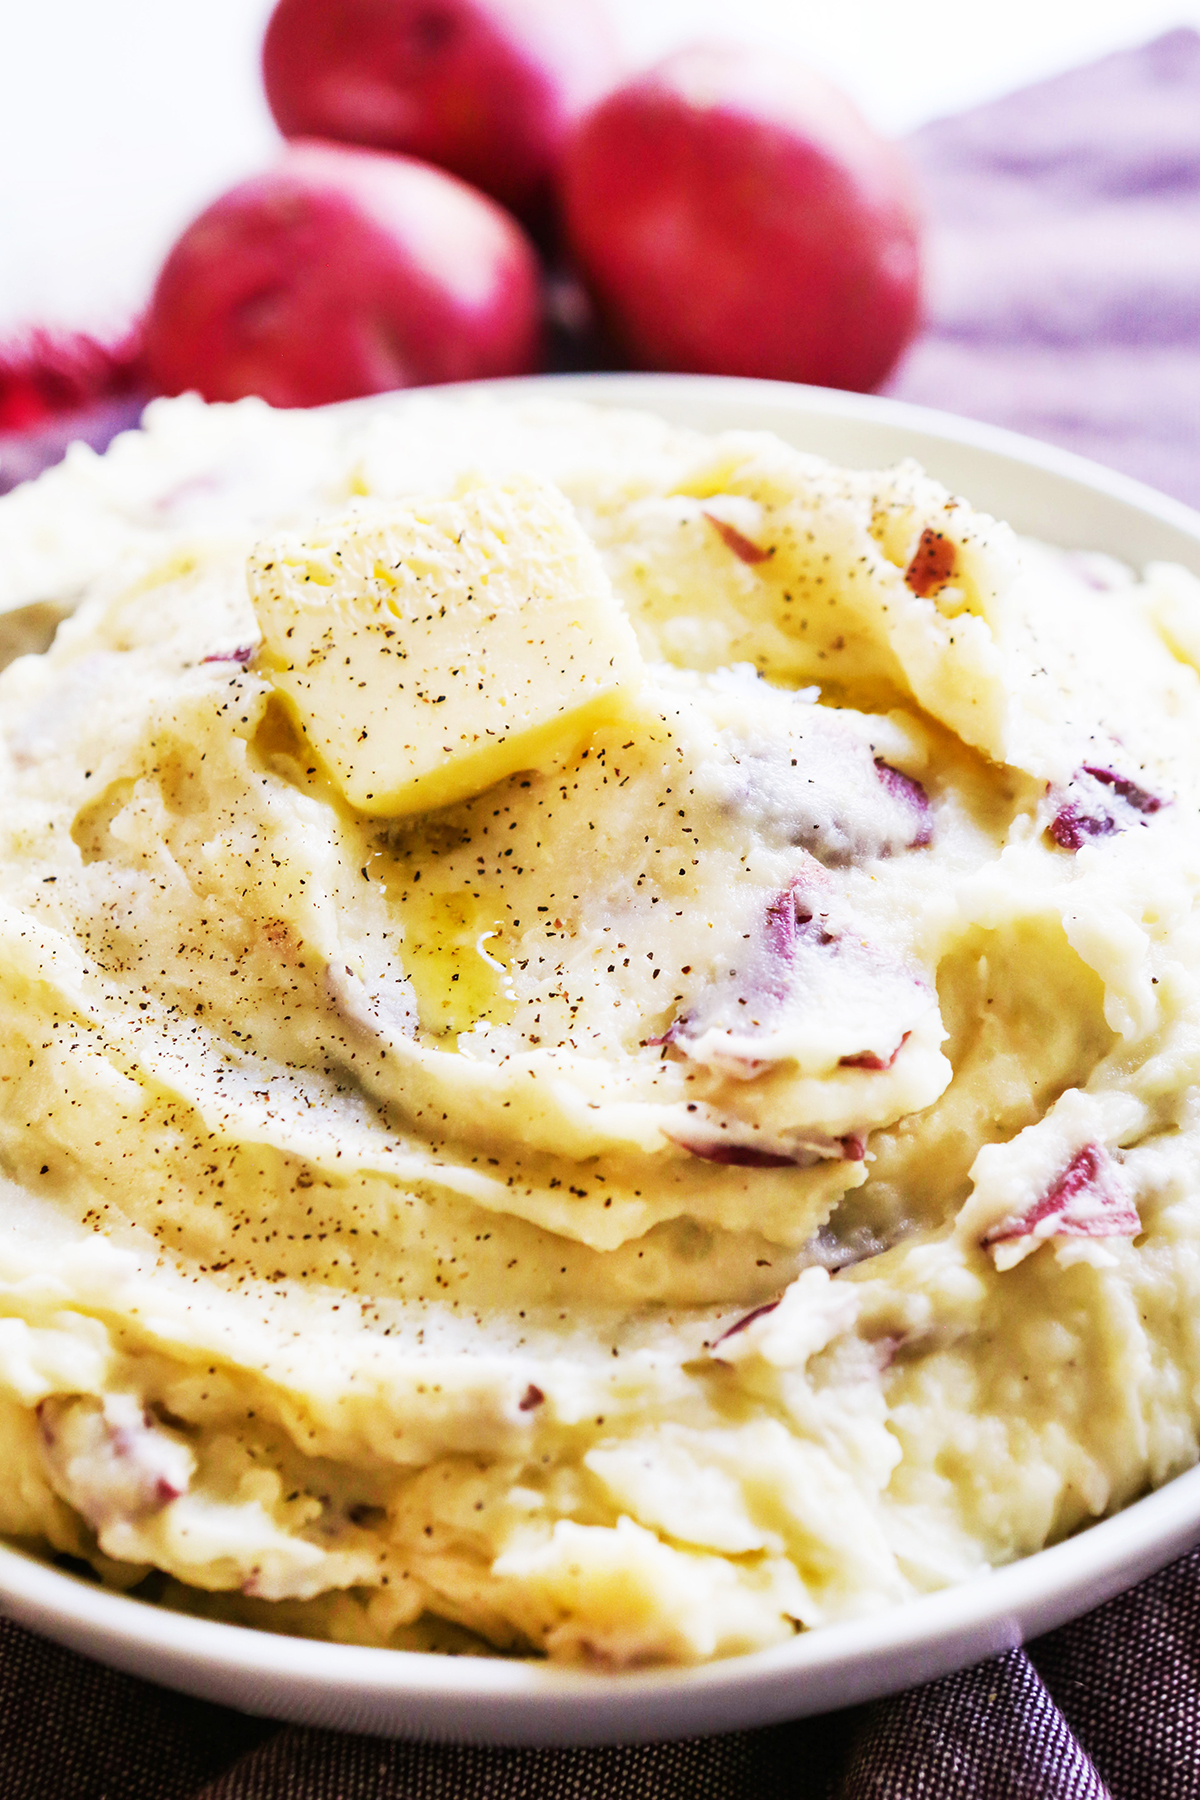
[{"x": 1065, "y": 302}]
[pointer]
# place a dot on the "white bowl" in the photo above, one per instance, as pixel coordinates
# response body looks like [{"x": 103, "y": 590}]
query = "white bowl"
[{"x": 1044, "y": 493}]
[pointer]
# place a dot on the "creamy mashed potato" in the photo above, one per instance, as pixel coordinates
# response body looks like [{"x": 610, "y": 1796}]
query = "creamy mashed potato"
[{"x": 695, "y": 1140}]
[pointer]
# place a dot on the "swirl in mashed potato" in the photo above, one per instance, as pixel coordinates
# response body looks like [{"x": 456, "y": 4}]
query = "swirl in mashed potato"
[{"x": 725, "y": 1163}]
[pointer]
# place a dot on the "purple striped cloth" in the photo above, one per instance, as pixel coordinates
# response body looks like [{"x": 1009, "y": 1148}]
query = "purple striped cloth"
[
  {"x": 1065, "y": 263},
  {"x": 1065, "y": 301}
]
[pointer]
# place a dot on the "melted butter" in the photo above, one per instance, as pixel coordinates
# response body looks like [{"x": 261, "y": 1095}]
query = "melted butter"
[{"x": 454, "y": 955}]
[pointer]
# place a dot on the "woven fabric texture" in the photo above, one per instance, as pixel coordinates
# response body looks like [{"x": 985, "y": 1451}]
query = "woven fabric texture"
[
  {"x": 1065, "y": 301},
  {"x": 1065, "y": 263}
]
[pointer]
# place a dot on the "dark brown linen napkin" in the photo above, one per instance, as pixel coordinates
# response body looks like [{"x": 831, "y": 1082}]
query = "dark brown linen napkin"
[
  {"x": 1106, "y": 1709},
  {"x": 1065, "y": 302}
]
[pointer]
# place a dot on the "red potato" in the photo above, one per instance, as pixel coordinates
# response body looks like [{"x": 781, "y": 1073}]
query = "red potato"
[
  {"x": 733, "y": 214},
  {"x": 343, "y": 272},
  {"x": 485, "y": 88}
]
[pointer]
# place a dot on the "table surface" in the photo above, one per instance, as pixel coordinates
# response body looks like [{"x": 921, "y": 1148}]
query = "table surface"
[{"x": 121, "y": 120}]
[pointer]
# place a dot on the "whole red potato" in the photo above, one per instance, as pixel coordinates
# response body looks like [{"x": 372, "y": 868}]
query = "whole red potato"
[
  {"x": 733, "y": 214},
  {"x": 342, "y": 272},
  {"x": 485, "y": 88}
]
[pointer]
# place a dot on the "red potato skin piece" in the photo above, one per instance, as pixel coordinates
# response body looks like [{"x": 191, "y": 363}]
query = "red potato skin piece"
[
  {"x": 1070, "y": 828},
  {"x": 759, "y": 1312},
  {"x": 933, "y": 563},
  {"x": 1091, "y": 1175},
  {"x": 789, "y": 917},
  {"x": 731, "y": 213},
  {"x": 1072, "y": 825},
  {"x": 1139, "y": 798},
  {"x": 241, "y": 655},
  {"x": 488, "y": 89},
  {"x": 743, "y": 547},
  {"x": 783, "y": 917},
  {"x": 741, "y": 1156},
  {"x": 339, "y": 273},
  {"x": 786, "y": 917},
  {"x": 745, "y": 1156},
  {"x": 908, "y": 788},
  {"x": 867, "y": 1059},
  {"x": 125, "y": 1447}
]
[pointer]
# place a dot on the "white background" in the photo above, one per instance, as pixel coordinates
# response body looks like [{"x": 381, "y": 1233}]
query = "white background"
[{"x": 119, "y": 119}]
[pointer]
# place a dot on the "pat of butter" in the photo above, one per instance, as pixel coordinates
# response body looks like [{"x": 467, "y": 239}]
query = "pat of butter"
[{"x": 430, "y": 648}]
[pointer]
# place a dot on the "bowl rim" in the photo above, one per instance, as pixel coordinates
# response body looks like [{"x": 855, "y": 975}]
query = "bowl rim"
[
  {"x": 523, "y": 1701},
  {"x": 526, "y": 1701},
  {"x": 627, "y": 388}
]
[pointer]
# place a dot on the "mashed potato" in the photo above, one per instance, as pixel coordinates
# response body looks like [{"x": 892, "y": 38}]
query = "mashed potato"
[{"x": 696, "y": 1139}]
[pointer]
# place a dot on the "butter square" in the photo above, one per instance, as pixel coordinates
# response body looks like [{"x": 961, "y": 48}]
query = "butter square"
[{"x": 429, "y": 648}]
